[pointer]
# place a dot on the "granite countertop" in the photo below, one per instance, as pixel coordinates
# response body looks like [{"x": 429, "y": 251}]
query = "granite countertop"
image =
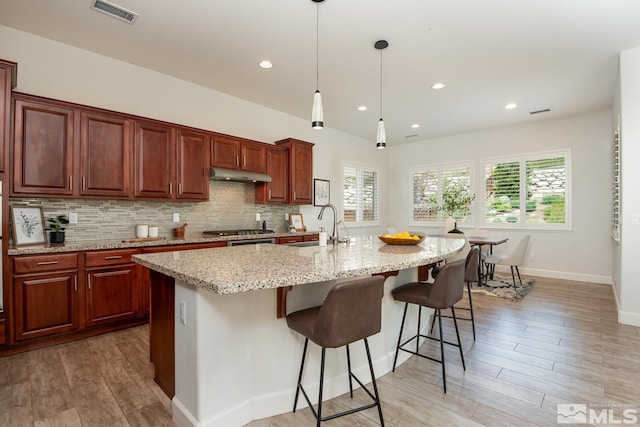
[
  {"x": 244, "y": 268},
  {"x": 119, "y": 244}
]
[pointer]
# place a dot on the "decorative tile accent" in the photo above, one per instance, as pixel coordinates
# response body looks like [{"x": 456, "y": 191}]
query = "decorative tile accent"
[{"x": 230, "y": 205}]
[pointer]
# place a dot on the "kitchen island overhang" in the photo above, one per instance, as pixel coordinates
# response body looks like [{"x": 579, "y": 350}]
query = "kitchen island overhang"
[{"x": 234, "y": 360}]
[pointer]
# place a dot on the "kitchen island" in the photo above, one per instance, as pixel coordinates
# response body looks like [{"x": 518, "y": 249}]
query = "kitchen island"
[{"x": 235, "y": 361}]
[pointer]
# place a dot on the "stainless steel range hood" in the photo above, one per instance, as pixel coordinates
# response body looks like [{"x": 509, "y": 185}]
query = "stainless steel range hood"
[{"x": 221, "y": 174}]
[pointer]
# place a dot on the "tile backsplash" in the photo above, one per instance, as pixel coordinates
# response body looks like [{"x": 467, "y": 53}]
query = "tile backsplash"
[{"x": 230, "y": 205}]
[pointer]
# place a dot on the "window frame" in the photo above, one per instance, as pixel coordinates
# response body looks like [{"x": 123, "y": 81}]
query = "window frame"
[
  {"x": 361, "y": 167},
  {"x": 522, "y": 160},
  {"x": 438, "y": 169}
]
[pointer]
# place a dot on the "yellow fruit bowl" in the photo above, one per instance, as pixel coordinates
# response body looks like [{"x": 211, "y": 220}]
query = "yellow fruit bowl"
[{"x": 391, "y": 240}]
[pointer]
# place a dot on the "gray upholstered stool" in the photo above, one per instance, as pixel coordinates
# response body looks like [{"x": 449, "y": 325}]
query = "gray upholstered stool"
[{"x": 351, "y": 312}]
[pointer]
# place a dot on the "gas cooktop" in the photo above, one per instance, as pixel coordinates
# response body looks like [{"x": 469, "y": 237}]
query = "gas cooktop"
[{"x": 239, "y": 232}]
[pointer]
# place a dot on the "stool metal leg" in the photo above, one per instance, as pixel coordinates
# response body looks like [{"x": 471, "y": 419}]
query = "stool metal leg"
[
  {"x": 433, "y": 323},
  {"x": 373, "y": 380},
  {"x": 404, "y": 315},
  {"x": 444, "y": 377},
  {"x": 455, "y": 323},
  {"x": 304, "y": 353},
  {"x": 418, "y": 331},
  {"x": 319, "y": 417},
  {"x": 349, "y": 371},
  {"x": 473, "y": 322}
]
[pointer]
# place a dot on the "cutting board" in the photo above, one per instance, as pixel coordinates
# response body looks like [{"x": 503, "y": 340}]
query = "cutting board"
[{"x": 142, "y": 239}]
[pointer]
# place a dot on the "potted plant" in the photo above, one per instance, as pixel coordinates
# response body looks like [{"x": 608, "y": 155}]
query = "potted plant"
[
  {"x": 456, "y": 202},
  {"x": 56, "y": 228}
]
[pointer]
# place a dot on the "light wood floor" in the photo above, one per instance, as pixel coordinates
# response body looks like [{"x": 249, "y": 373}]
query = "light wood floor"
[{"x": 561, "y": 344}]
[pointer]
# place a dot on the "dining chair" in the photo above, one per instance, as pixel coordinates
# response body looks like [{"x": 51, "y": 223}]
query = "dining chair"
[{"x": 513, "y": 260}]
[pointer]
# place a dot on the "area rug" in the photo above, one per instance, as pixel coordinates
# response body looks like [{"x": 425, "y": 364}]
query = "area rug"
[{"x": 502, "y": 287}]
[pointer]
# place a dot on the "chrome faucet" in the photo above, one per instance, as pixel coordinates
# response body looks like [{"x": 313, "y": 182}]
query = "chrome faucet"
[{"x": 334, "y": 233}]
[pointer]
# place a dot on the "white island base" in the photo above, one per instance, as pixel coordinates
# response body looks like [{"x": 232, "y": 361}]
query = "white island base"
[{"x": 236, "y": 362}]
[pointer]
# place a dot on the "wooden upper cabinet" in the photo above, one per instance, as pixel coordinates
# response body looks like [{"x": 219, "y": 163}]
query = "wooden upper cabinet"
[
  {"x": 154, "y": 159},
  {"x": 254, "y": 157},
  {"x": 7, "y": 82},
  {"x": 105, "y": 155},
  {"x": 276, "y": 191},
  {"x": 225, "y": 152},
  {"x": 192, "y": 165},
  {"x": 43, "y": 148},
  {"x": 237, "y": 153},
  {"x": 300, "y": 170}
]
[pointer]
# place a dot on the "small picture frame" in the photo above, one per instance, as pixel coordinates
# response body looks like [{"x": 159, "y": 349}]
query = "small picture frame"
[
  {"x": 28, "y": 225},
  {"x": 321, "y": 189},
  {"x": 295, "y": 219}
]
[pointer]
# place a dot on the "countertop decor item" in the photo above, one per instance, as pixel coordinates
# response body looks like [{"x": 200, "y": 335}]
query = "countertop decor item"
[
  {"x": 321, "y": 192},
  {"x": 179, "y": 231},
  {"x": 28, "y": 228},
  {"x": 393, "y": 240},
  {"x": 56, "y": 228},
  {"x": 295, "y": 220}
]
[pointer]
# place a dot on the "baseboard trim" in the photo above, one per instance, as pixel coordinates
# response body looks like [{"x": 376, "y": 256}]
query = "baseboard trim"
[
  {"x": 626, "y": 318},
  {"x": 563, "y": 275},
  {"x": 181, "y": 415}
]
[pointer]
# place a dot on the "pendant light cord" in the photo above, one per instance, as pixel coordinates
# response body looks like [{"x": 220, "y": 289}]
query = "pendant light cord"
[
  {"x": 381, "y": 83},
  {"x": 317, "y": 46}
]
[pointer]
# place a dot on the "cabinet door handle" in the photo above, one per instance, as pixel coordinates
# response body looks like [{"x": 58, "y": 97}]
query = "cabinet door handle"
[
  {"x": 75, "y": 282},
  {"x": 237, "y": 160},
  {"x": 294, "y": 195},
  {"x": 47, "y": 262},
  {"x": 170, "y": 187},
  {"x": 113, "y": 257},
  {"x": 89, "y": 281},
  {"x": 180, "y": 188},
  {"x": 84, "y": 186},
  {"x": 70, "y": 183},
  {"x": 269, "y": 194},
  {"x": 244, "y": 162}
]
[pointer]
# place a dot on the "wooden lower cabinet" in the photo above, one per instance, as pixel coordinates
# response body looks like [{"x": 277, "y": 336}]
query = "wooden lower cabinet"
[
  {"x": 112, "y": 294},
  {"x": 45, "y": 304},
  {"x": 45, "y": 295}
]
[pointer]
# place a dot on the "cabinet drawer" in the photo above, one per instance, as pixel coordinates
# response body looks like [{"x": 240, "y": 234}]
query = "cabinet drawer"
[
  {"x": 292, "y": 239},
  {"x": 34, "y": 264},
  {"x": 312, "y": 238},
  {"x": 100, "y": 258}
]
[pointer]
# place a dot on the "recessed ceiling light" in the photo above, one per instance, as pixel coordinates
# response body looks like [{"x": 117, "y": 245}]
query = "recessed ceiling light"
[
  {"x": 510, "y": 106},
  {"x": 415, "y": 126},
  {"x": 362, "y": 108},
  {"x": 437, "y": 86},
  {"x": 265, "y": 63}
]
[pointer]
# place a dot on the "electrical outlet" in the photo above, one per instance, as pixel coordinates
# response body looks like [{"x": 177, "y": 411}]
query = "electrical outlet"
[
  {"x": 183, "y": 313},
  {"x": 286, "y": 216},
  {"x": 258, "y": 216},
  {"x": 176, "y": 217},
  {"x": 73, "y": 217}
]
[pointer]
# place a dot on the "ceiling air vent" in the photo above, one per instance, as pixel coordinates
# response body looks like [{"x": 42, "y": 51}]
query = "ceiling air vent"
[
  {"x": 114, "y": 11},
  {"x": 546, "y": 110}
]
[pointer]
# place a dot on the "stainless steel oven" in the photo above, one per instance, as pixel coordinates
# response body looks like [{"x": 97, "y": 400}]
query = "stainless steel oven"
[
  {"x": 252, "y": 236},
  {"x": 251, "y": 241}
]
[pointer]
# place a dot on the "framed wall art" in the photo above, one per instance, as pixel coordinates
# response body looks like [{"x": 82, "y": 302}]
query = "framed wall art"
[
  {"x": 28, "y": 225},
  {"x": 321, "y": 189}
]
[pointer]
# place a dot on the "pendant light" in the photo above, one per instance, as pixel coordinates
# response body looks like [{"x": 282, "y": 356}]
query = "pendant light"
[
  {"x": 381, "y": 139},
  {"x": 317, "y": 120}
]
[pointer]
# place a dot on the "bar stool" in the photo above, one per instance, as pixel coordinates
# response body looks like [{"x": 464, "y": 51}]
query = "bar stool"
[
  {"x": 351, "y": 312},
  {"x": 443, "y": 293},
  {"x": 471, "y": 274}
]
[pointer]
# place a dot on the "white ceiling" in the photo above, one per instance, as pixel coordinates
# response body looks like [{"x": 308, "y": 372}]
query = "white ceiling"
[{"x": 557, "y": 54}]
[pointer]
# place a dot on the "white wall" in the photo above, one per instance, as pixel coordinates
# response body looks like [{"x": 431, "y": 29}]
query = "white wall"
[
  {"x": 55, "y": 70},
  {"x": 629, "y": 291},
  {"x": 584, "y": 253}
]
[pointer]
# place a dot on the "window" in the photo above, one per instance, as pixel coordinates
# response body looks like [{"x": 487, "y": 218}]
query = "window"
[
  {"x": 528, "y": 191},
  {"x": 360, "y": 194},
  {"x": 438, "y": 190}
]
